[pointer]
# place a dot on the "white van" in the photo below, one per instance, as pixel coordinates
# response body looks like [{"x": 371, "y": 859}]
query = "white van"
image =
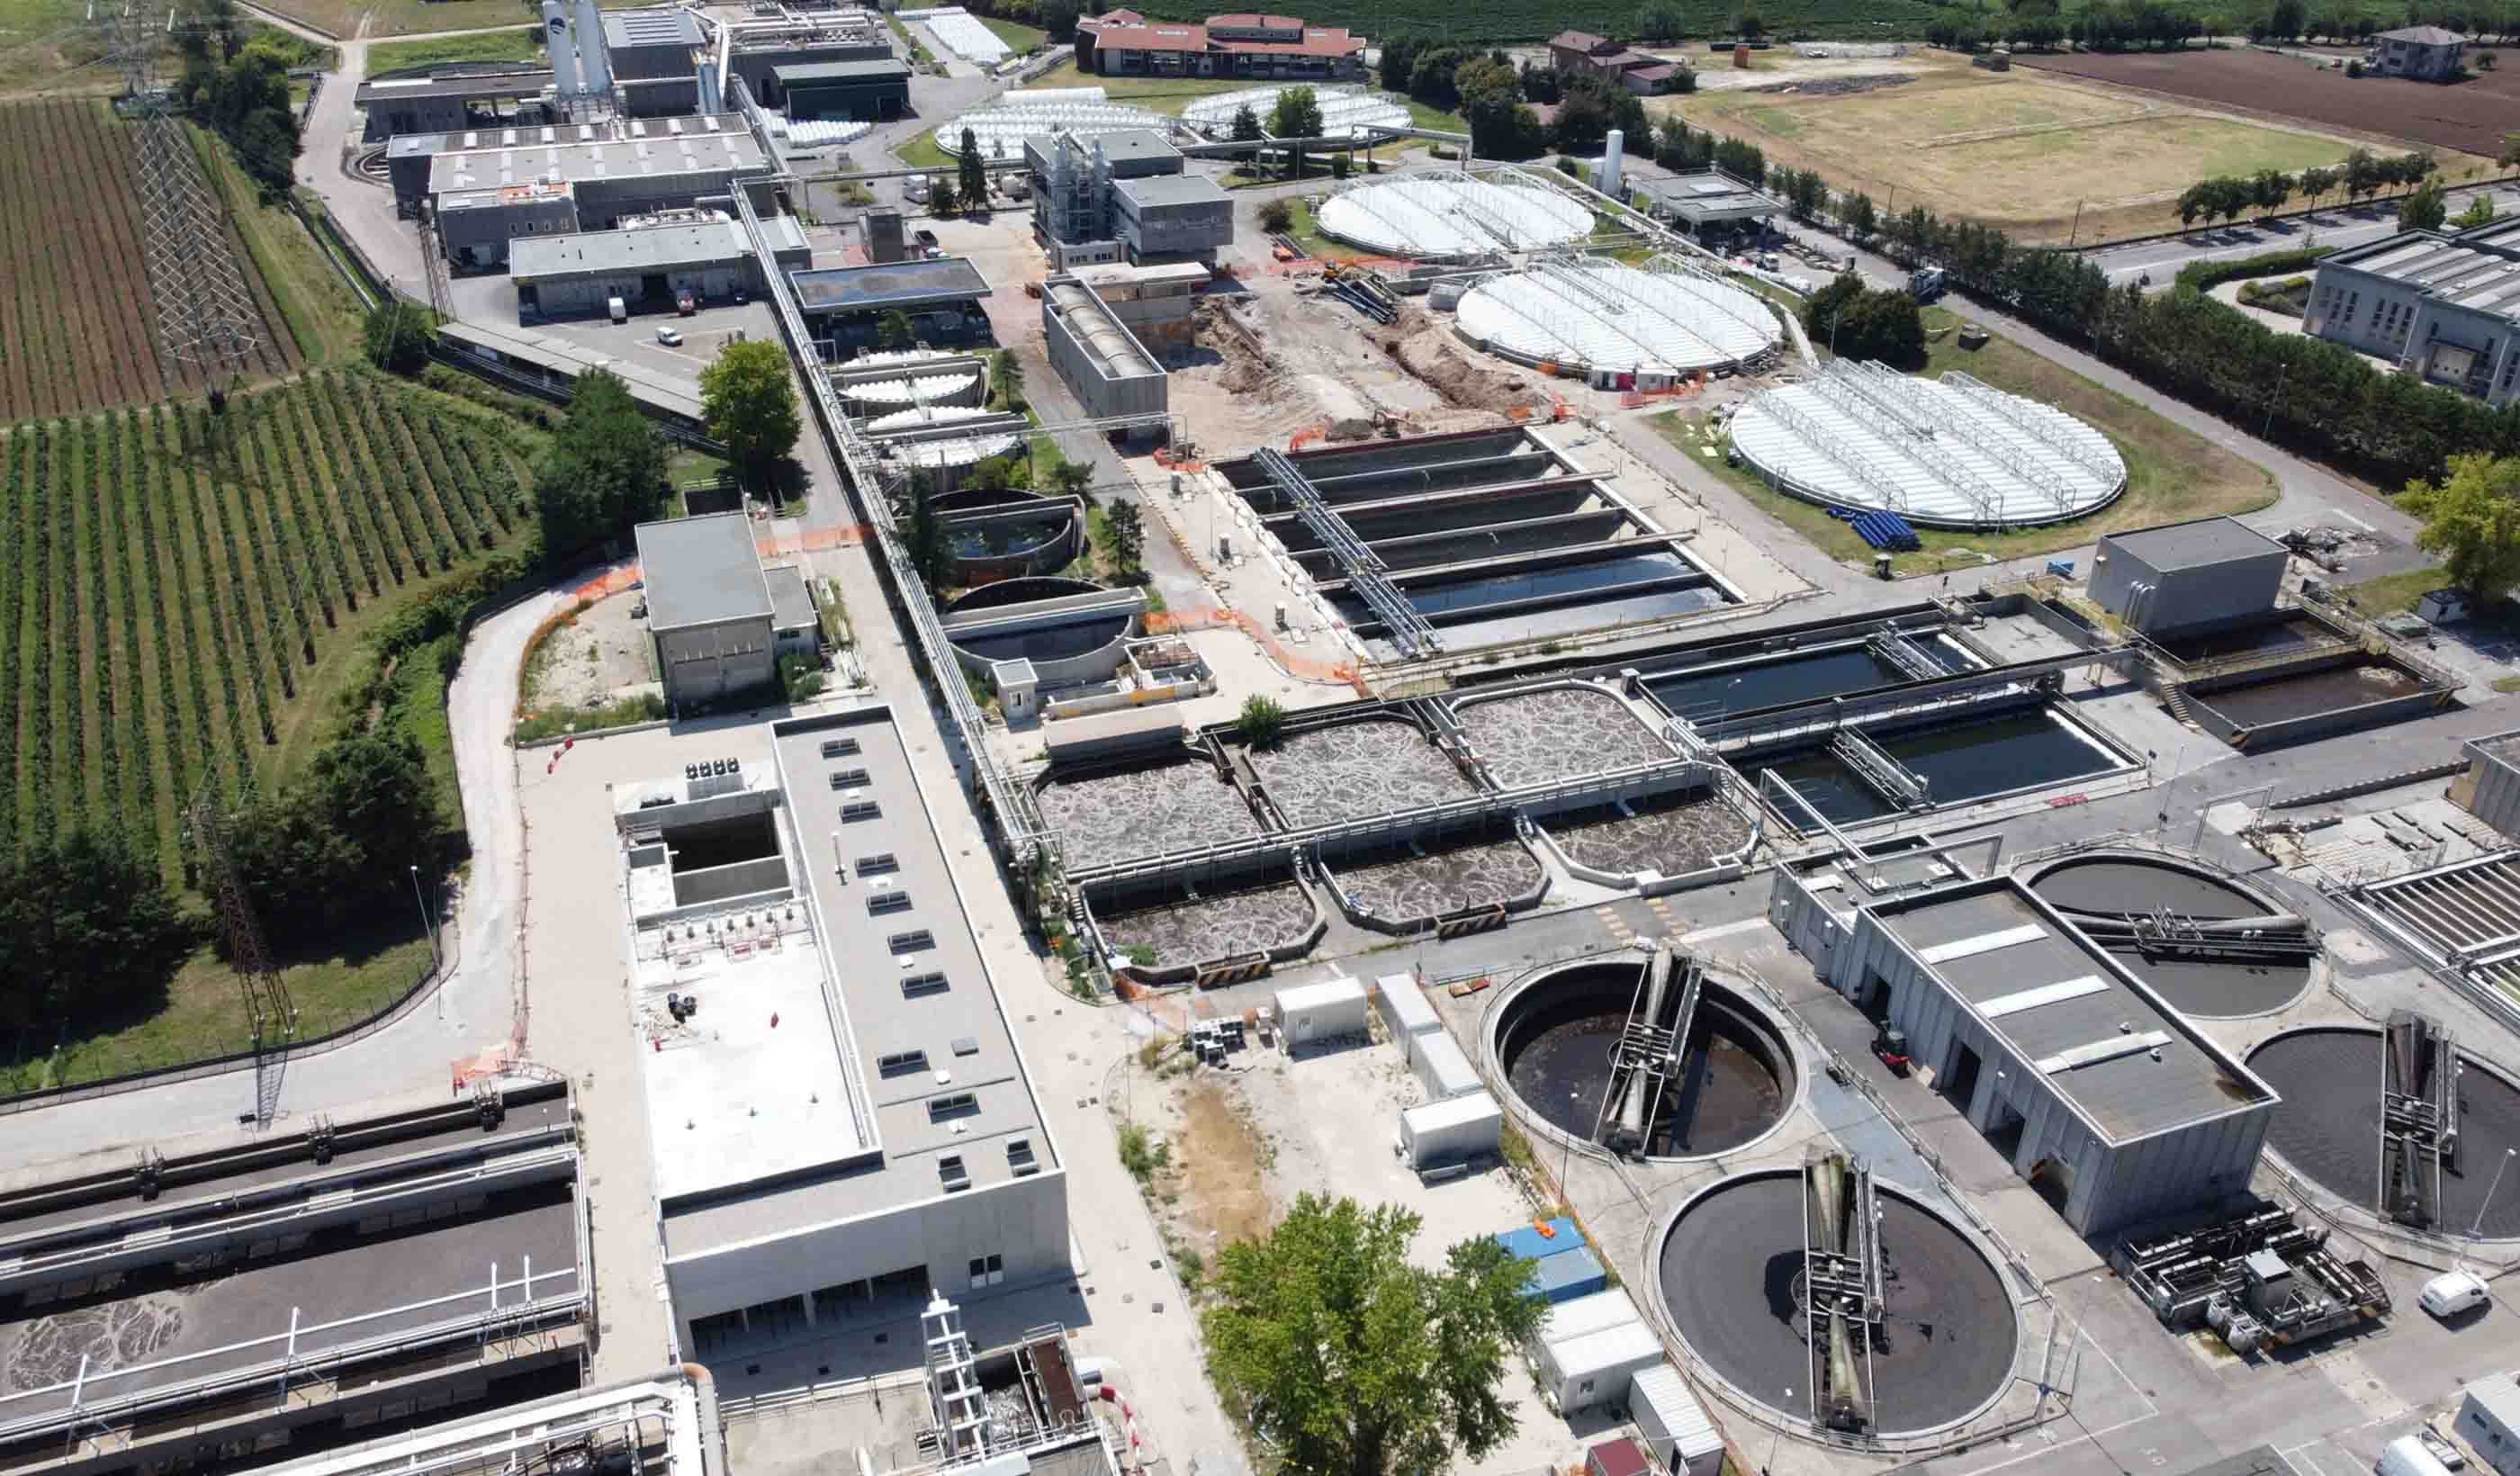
[
  {"x": 2452, "y": 1292},
  {"x": 2405, "y": 1456}
]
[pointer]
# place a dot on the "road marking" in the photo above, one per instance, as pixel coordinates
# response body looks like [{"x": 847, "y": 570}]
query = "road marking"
[
  {"x": 2091, "y": 1439},
  {"x": 2350, "y": 518},
  {"x": 1724, "y": 931}
]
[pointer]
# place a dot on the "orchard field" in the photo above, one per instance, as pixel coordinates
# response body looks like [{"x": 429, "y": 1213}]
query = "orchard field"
[
  {"x": 75, "y": 314},
  {"x": 183, "y": 595}
]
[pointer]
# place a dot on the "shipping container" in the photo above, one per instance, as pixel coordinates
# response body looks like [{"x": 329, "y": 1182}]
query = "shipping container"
[
  {"x": 1309, "y": 1012},
  {"x": 1673, "y": 1424},
  {"x": 1449, "y": 1132},
  {"x": 1547, "y": 1238},
  {"x": 1442, "y": 1067},
  {"x": 1404, "y": 1009},
  {"x": 1566, "y": 1276}
]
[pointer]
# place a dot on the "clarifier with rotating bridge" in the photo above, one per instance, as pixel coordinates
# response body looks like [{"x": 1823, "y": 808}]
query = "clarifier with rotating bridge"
[{"x": 2209, "y": 945}]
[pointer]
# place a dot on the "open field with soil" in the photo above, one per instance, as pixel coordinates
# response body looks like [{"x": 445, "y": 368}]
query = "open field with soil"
[
  {"x": 77, "y": 327},
  {"x": 2023, "y": 150},
  {"x": 2467, "y": 117},
  {"x": 2173, "y": 474}
]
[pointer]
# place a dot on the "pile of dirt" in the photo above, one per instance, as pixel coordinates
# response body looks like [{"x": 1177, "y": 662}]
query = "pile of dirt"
[
  {"x": 1246, "y": 367},
  {"x": 1839, "y": 87},
  {"x": 1424, "y": 346}
]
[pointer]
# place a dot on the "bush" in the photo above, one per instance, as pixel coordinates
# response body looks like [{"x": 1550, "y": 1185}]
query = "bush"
[
  {"x": 1278, "y": 217},
  {"x": 1142, "y": 1152},
  {"x": 397, "y": 337},
  {"x": 1263, "y": 721},
  {"x": 2198, "y": 276}
]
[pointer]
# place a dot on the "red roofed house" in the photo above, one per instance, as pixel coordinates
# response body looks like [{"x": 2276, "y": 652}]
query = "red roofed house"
[
  {"x": 1583, "y": 50},
  {"x": 1124, "y": 43}
]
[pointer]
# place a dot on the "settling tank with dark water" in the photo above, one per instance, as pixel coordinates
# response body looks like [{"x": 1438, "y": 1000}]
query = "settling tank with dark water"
[
  {"x": 1554, "y": 1039},
  {"x": 1961, "y": 762},
  {"x": 2136, "y": 906},
  {"x": 2329, "y": 1127}
]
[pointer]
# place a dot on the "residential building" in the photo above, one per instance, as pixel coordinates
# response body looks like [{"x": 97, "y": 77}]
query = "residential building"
[
  {"x": 1581, "y": 51},
  {"x": 2428, "y": 52},
  {"x": 2445, "y": 307},
  {"x": 1125, "y": 43}
]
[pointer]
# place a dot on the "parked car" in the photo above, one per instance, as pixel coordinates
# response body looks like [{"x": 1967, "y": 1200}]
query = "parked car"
[
  {"x": 927, "y": 239},
  {"x": 2452, "y": 1292},
  {"x": 671, "y": 338},
  {"x": 2443, "y": 1450},
  {"x": 2405, "y": 1456},
  {"x": 616, "y": 309}
]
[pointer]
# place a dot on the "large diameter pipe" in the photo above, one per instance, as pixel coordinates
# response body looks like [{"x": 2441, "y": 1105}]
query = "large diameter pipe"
[{"x": 1631, "y": 1102}]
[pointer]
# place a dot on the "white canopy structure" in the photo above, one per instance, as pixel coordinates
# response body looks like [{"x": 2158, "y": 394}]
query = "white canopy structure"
[
  {"x": 1449, "y": 215},
  {"x": 1588, "y": 314},
  {"x": 1345, "y": 111},
  {"x": 999, "y": 130}
]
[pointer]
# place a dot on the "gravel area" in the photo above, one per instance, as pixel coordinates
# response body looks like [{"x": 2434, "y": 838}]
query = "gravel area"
[
  {"x": 1557, "y": 733},
  {"x": 1139, "y": 812},
  {"x": 1349, "y": 769}
]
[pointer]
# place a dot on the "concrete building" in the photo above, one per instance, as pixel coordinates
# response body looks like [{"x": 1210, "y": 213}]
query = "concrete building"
[
  {"x": 867, "y": 90},
  {"x": 2428, "y": 52},
  {"x": 2188, "y": 576},
  {"x": 1171, "y": 219},
  {"x": 2488, "y": 1420},
  {"x": 1123, "y": 195},
  {"x": 490, "y": 188},
  {"x": 1124, "y": 43},
  {"x": 709, "y": 609},
  {"x": 2490, "y": 786},
  {"x": 757, "y": 52},
  {"x": 665, "y": 1424},
  {"x": 542, "y": 362},
  {"x": 1581, "y": 51},
  {"x": 844, "y": 306},
  {"x": 238, "y": 1296},
  {"x": 654, "y": 43},
  {"x": 2445, "y": 307},
  {"x": 2109, "y": 1103},
  {"x": 1711, "y": 201},
  {"x": 796, "y": 627},
  {"x": 1111, "y": 373},
  {"x": 453, "y": 97},
  {"x": 842, "y": 1122},
  {"x": 646, "y": 263}
]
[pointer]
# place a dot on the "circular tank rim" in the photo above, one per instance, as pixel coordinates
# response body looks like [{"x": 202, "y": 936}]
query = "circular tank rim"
[
  {"x": 1402, "y": 249},
  {"x": 1581, "y": 367},
  {"x": 1067, "y": 586},
  {"x": 1800, "y": 493},
  {"x": 2363, "y": 1212},
  {"x": 1649, "y": 1269},
  {"x": 1493, "y": 1022},
  {"x": 2312, "y": 976}
]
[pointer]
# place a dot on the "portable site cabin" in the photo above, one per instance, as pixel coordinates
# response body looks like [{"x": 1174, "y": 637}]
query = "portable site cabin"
[
  {"x": 1596, "y": 1368},
  {"x": 1456, "y": 1131},
  {"x": 1404, "y": 1008},
  {"x": 1442, "y": 1067},
  {"x": 1674, "y": 1425},
  {"x": 1566, "y": 1276},
  {"x": 1309, "y": 1012}
]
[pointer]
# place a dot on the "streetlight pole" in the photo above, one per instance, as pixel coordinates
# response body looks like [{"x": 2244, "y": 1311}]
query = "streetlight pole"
[
  {"x": 1778, "y": 1437},
  {"x": 2475, "y": 1229},
  {"x": 1566, "y": 1159},
  {"x": 426, "y": 925},
  {"x": 2282, "y": 369}
]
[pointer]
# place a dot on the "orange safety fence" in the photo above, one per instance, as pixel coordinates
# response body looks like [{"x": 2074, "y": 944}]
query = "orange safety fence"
[
  {"x": 811, "y": 540},
  {"x": 1302, "y": 667}
]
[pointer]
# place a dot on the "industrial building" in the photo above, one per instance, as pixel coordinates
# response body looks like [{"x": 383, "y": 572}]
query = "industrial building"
[
  {"x": 1710, "y": 202},
  {"x": 2189, "y": 576},
  {"x": 453, "y": 97},
  {"x": 1123, "y": 194},
  {"x": 1158, "y": 305},
  {"x": 2488, "y": 1420},
  {"x": 2442, "y": 307},
  {"x": 834, "y": 1143},
  {"x": 2114, "y": 1106},
  {"x": 757, "y": 49},
  {"x": 844, "y": 306},
  {"x": 1123, "y": 43},
  {"x": 246, "y": 1293},
  {"x": 1111, "y": 371},
  {"x": 664, "y": 1424},
  {"x": 549, "y": 365},
  {"x": 2491, "y": 785},
  {"x": 646, "y": 263},
  {"x": 867, "y": 90},
  {"x": 710, "y": 613},
  {"x": 487, "y": 189},
  {"x": 653, "y": 56}
]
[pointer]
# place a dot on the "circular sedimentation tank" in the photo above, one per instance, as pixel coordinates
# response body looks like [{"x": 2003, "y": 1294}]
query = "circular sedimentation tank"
[
  {"x": 1002, "y": 129},
  {"x": 1947, "y": 453},
  {"x": 2328, "y": 1124},
  {"x": 1588, "y": 315},
  {"x": 1449, "y": 215},
  {"x": 945, "y": 452},
  {"x": 1552, "y": 1035},
  {"x": 1727, "y": 1269},
  {"x": 1345, "y": 111},
  {"x": 1043, "y": 539},
  {"x": 2123, "y": 888},
  {"x": 1058, "y": 642}
]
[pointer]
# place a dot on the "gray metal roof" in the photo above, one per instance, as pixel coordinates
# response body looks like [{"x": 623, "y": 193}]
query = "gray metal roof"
[
  {"x": 872, "y": 69},
  {"x": 701, "y": 571},
  {"x": 1171, "y": 190},
  {"x": 1133, "y": 144},
  {"x": 2070, "y": 1010},
  {"x": 2423, "y": 35},
  {"x": 889, "y": 285},
  {"x": 2477, "y": 269},
  {"x": 656, "y": 26},
  {"x": 792, "y": 604},
  {"x": 2499, "y": 1396},
  {"x": 2186, "y": 544},
  {"x": 476, "y": 82},
  {"x": 650, "y": 249},
  {"x": 963, "y": 1027},
  {"x": 646, "y": 148}
]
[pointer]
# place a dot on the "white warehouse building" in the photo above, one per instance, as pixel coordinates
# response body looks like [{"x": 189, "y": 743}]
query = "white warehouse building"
[{"x": 2446, "y": 308}]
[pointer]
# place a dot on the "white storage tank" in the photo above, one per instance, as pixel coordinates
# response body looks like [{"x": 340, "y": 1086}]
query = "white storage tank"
[
  {"x": 1673, "y": 1424},
  {"x": 1442, "y": 1067},
  {"x": 1449, "y": 1132},
  {"x": 1309, "y": 1012},
  {"x": 1404, "y": 1008},
  {"x": 1598, "y": 1367}
]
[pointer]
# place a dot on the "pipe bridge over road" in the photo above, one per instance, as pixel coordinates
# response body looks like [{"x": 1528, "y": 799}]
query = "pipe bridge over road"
[{"x": 1406, "y": 629}]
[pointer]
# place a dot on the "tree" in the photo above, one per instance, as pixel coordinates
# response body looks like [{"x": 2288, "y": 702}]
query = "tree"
[
  {"x": 2423, "y": 209},
  {"x": 1356, "y": 1362},
  {"x": 88, "y": 933},
  {"x": 1399, "y": 61},
  {"x": 1127, "y": 531},
  {"x": 2472, "y": 520},
  {"x": 894, "y": 331},
  {"x": 397, "y": 336},
  {"x": 930, "y": 551},
  {"x": 1263, "y": 721},
  {"x": 1858, "y": 213},
  {"x": 1071, "y": 479},
  {"x": 971, "y": 173},
  {"x": 2286, "y": 20},
  {"x": 748, "y": 402},
  {"x": 1247, "y": 125},
  {"x": 2480, "y": 211},
  {"x": 372, "y": 788},
  {"x": 1006, "y": 379},
  {"x": 1058, "y": 18},
  {"x": 2268, "y": 189},
  {"x": 2361, "y": 174},
  {"x": 2317, "y": 182},
  {"x": 1278, "y": 217},
  {"x": 943, "y": 199},
  {"x": 1661, "y": 21},
  {"x": 1747, "y": 23},
  {"x": 602, "y": 471},
  {"x": 1298, "y": 114}
]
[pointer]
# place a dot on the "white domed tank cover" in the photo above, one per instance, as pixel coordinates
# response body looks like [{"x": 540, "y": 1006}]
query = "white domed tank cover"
[
  {"x": 999, "y": 130},
  {"x": 945, "y": 451},
  {"x": 1447, "y": 215},
  {"x": 1603, "y": 315},
  {"x": 1345, "y": 111},
  {"x": 927, "y": 389},
  {"x": 1946, "y": 452}
]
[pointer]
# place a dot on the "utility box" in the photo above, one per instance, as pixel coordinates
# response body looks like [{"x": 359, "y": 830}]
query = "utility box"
[
  {"x": 2188, "y": 576},
  {"x": 1316, "y": 1012},
  {"x": 1459, "y": 1131}
]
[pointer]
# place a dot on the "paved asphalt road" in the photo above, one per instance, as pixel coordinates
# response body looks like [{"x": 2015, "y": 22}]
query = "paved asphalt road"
[{"x": 2338, "y": 227}]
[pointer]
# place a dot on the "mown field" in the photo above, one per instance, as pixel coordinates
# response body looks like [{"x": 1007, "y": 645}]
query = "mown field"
[
  {"x": 522, "y": 44},
  {"x": 76, "y": 321}
]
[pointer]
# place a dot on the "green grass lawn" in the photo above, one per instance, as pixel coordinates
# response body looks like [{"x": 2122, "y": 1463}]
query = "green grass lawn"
[
  {"x": 922, "y": 152},
  {"x": 2392, "y": 593},
  {"x": 2173, "y": 474},
  {"x": 1020, "y": 39},
  {"x": 523, "y": 44}
]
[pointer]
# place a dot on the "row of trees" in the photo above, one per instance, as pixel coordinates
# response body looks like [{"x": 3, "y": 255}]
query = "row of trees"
[
  {"x": 2361, "y": 177},
  {"x": 1495, "y": 96},
  {"x": 1677, "y": 146}
]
